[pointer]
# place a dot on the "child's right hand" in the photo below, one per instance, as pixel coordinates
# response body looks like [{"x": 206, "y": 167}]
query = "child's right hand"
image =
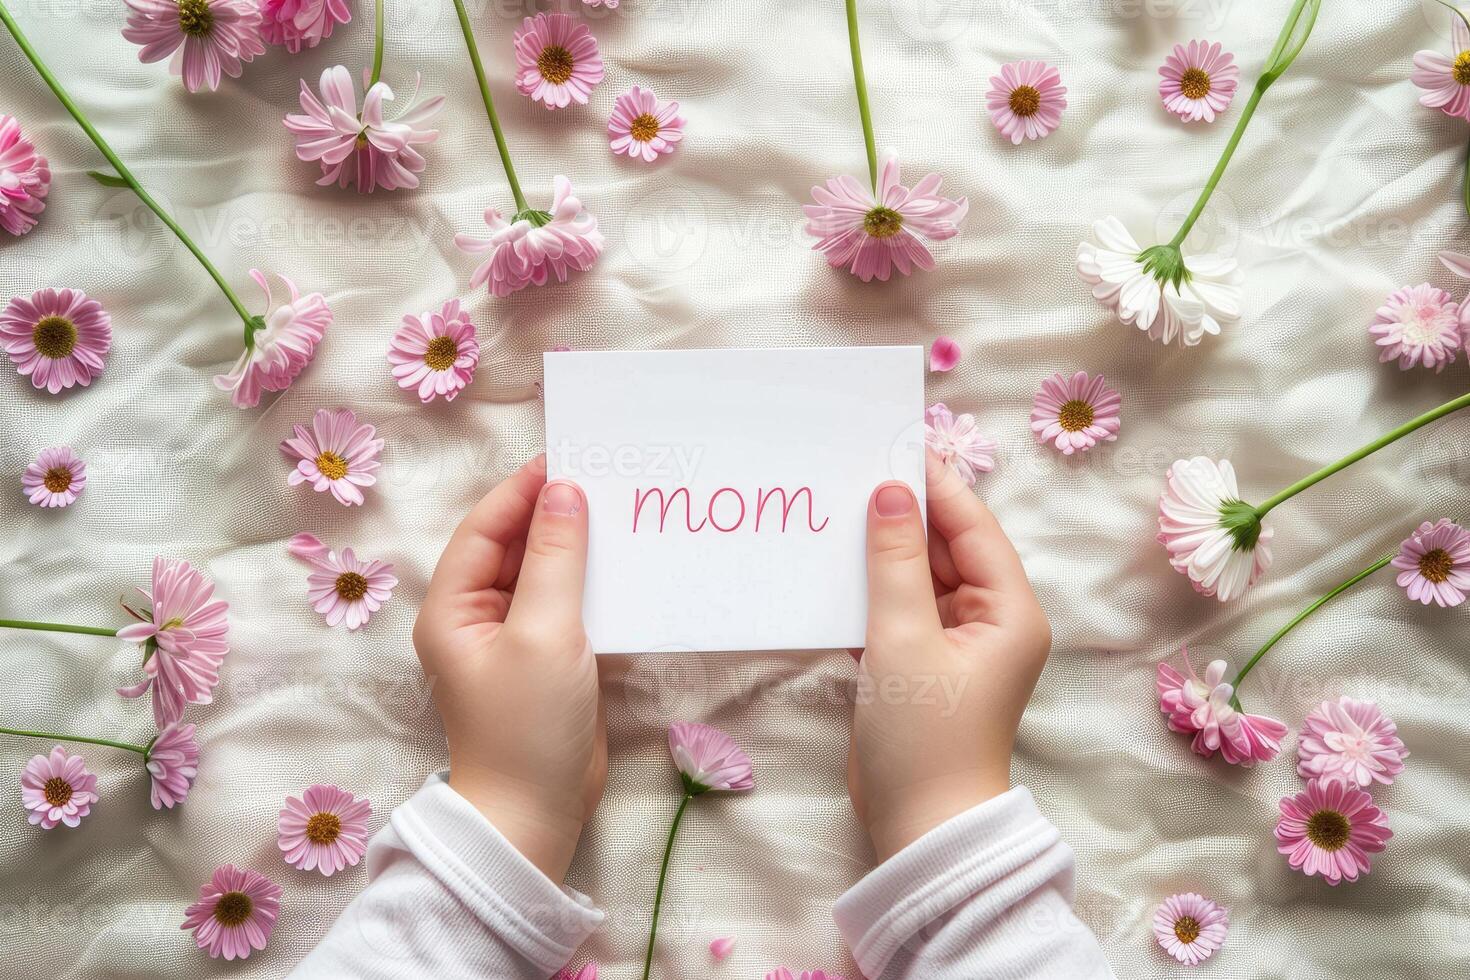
[{"x": 956, "y": 641}]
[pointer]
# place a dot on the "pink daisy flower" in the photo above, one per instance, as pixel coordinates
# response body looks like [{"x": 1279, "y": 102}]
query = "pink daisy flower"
[
  {"x": 708, "y": 759},
  {"x": 362, "y": 149},
  {"x": 336, "y": 453},
  {"x": 1026, "y": 100},
  {"x": 1435, "y": 563},
  {"x": 588, "y": 972},
  {"x": 1198, "y": 81},
  {"x": 781, "y": 973},
  {"x": 1331, "y": 829},
  {"x": 957, "y": 441},
  {"x": 172, "y": 764},
  {"x": 1193, "y": 529},
  {"x": 56, "y": 478},
  {"x": 281, "y": 349},
  {"x": 24, "y": 179},
  {"x": 557, "y": 62},
  {"x": 436, "y": 352},
  {"x": 184, "y": 638},
  {"x": 643, "y": 128},
  {"x": 1350, "y": 740},
  {"x": 1075, "y": 414},
  {"x": 301, "y": 23},
  {"x": 1190, "y": 927},
  {"x": 57, "y": 789},
  {"x": 870, "y": 234},
  {"x": 58, "y": 337},
  {"x": 721, "y": 947},
  {"x": 1202, "y": 708},
  {"x": 325, "y": 829},
  {"x": 207, "y": 38},
  {"x": 235, "y": 914},
  {"x": 1418, "y": 325},
  {"x": 1446, "y": 79},
  {"x": 343, "y": 589},
  {"x": 944, "y": 354},
  {"x": 534, "y": 246}
]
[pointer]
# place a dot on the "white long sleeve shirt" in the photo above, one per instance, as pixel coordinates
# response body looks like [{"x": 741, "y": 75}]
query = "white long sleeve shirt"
[{"x": 985, "y": 896}]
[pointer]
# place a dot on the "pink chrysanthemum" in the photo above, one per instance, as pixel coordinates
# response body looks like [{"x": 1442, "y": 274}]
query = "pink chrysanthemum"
[
  {"x": 1435, "y": 563},
  {"x": 58, "y": 337},
  {"x": 1198, "y": 81},
  {"x": 325, "y": 829},
  {"x": 1190, "y": 927},
  {"x": 1075, "y": 414},
  {"x": 1193, "y": 529},
  {"x": 281, "y": 349},
  {"x": 344, "y": 589},
  {"x": 24, "y": 179},
  {"x": 721, "y": 947},
  {"x": 1418, "y": 325},
  {"x": 557, "y": 62},
  {"x": 643, "y": 128},
  {"x": 301, "y": 23},
  {"x": 235, "y": 914},
  {"x": 173, "y": 762},
  {"x": 436, "y": 352},
  {"x": 362, "y": 150},
  {"x": 534, "y": 246},
  {"x": 708, "y": 759},
  {"x": 1446, "y": 79},
  {"x": 781, "y": 973},
  {"x": 1350, "y": 740},
  {"x": 337, "y": 453},
  {"x": 957, "y": 441},
  {"x": 184, "y": 638},
  {"x": 207, "y": 38},
  {"x": 870, "y": 235},
  {"x": 57, "y": 789},
  {"x": 1331, "y": 829},
  {"x": 944, "y": 354},
  {"x": 1026, "y": 100},
  {"x": 1202, "y": 708},
  {"x": 56, "y": 478}
]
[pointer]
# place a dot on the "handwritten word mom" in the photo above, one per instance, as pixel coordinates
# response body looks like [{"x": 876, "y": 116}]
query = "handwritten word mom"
[{"x": 726, "y": 509}]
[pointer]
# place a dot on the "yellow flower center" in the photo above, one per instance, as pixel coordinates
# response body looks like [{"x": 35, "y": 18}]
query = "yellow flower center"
[
  {"x": 882, "y": 222},
  {"x": 58, "y": 479},
  {"x": 644, "y": 128},
  {"x": 442, "y": 353},
  {"x": 555, "y": 64},
  {"x": 1076, "y": 415},
  {"x": 333, "y": 466},
  {"x": 1187, "y": 929},
  {"x": 1025, "y": 100},
  {"x": 195, "y": 18},
  {"x": 351, "y": 586},
  {"x": 58, "y": 791},
  {"x": 1195, "y": 83},
  {"x": 55, "y": 336},
  {"x": 323, "y": 828},
  {"x": 233, "y": 908},
  {"x": 1329, "y": 830},
  {"x": 1436, "y": 565},
  {"x": 1461, "y": 71}
]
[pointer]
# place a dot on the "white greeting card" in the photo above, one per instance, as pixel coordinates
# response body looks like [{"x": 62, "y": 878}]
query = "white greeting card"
[{"x": 727, "y": 489}]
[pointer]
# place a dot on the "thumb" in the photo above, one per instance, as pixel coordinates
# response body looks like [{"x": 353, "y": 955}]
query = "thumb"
[
  {"x": 548, "y": 591},
  {"x": 901, "y": 604}
]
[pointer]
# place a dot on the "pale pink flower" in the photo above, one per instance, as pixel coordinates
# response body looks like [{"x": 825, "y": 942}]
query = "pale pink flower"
[
  {"x": 325, "y": 829},
  {"x": 1220, "y": 558},
  {"x": 173, "y": 762},
  {"x": 557, "y": 62},
  {"x": 1445, "y": 79},
  {"x": 24, "y": 179},
  {"x": 1331, "y": 829},
  {"x": 944, "y": 354},
  {"x": 301, "y": 23},
  {"x": 957, "y": 441},
  {"x": 870, "y": 235},
  {"x": 721, "y": 948},
  {"x": 1190, "y": 927},
  {"x": 344, "y": 589},
  {"x": 535, "y": 245},
  {"x": 281, "y": 348},
  {"x": 1202, "y": 708},
  {"x": 588, "y": 972},
  {"x": 1418, "y": 325},
  {"x": 1435, "y": 563},
  {"x": 58, "y": 338},
  {"x": 57, "y": 789},
  {"x": 642, "y": 127},
  {"x": 436, "y": 352},
  {"x": 207, "y": 38},
  {"x": 1350, "y": 740},
  {"x": 362, "y": 149},
  {"x": 56, "y": 478},
  {"x": 781, "y": 973},
  {"x": 1026, "y": 100},
  {"x": 235, "y": 914},
  {"x": 1198, "y": 81},
  {"x": 708, "y": 759},
  {"x": 336, "y": 454},
  {"x": 1076, "y": 413},
  {"x": 184, "y": 639}
]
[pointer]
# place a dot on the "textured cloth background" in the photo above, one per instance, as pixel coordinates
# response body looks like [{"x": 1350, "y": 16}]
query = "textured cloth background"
[{"x": 1343, "y": 190}]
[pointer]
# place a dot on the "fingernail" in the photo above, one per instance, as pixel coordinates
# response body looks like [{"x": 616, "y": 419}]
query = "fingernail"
[
  {"x": 894, "y": 501},
  {"x": 562, "y": 498}
]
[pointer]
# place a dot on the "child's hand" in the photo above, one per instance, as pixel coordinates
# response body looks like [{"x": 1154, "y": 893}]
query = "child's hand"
[
  {"x": 956, "y": 640},
  {"x": 500, "y": 637}
]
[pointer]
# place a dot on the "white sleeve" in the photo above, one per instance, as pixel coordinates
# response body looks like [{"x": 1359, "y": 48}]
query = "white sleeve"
[
  {"x": 449, "y": 897},
  {"x": 985, "y": 894}
]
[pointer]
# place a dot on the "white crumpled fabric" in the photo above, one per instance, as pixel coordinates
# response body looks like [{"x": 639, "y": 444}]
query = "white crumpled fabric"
[{"x": 1343, "y": 190}]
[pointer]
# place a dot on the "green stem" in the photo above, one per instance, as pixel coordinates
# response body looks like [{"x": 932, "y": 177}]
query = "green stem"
[
  {"x": 861, "y": 83},
  {"x": 1448, "y": 407},
  {"x": 510, "y": 170},
  {"x": 377, "y": 42},
  {"x": 53, "y": 736},
  {"x": 658, "y": 897},
  {"x": 251, "y": 323},
  {"x": 27, "y": 624}
]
